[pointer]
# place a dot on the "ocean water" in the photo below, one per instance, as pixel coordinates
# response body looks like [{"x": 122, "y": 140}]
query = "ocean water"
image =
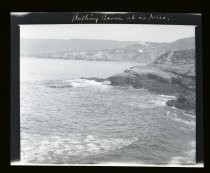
[{"x": 68, "y": 120}]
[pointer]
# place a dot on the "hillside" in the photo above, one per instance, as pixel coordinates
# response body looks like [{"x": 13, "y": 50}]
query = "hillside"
[
  {"x": 181, "y": 62},
  {"x": 106, "y": 50},
  {"x": 42, "y": 46}
]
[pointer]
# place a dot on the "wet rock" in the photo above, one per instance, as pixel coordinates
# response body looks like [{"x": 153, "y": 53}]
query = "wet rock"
[
  {"x": 156, "y": 84},
  {"x": 95, "y": 79},
  {"x": 161, "y": 82},
  {"x": 185, "y": 101}
]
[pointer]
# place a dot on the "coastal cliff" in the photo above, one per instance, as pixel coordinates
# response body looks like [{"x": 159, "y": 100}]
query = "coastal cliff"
[
  {"x": 101, "y": 50},
  {"x": 172, "y": 73}
]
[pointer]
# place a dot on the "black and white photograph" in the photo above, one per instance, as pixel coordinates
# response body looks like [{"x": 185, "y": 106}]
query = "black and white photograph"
[{"x": 107, "y": 94}]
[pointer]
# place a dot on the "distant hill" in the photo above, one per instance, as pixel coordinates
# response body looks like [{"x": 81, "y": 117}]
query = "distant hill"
[
  {"x": 181, "y": 44},
  {"x": 108, "y": 50},
  {"x": 41, "y": 46}
]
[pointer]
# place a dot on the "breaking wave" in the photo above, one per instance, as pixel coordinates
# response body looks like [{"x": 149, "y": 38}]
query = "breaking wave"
[
  {"x": 78, "y": 83},
  {"x": 187, "y": 122},
  {"x": 74, "y": 145},
  {"x": 162, "y": 99},
  {"x": 189, "y": 158},
  {"x": 181, "y": 117}
]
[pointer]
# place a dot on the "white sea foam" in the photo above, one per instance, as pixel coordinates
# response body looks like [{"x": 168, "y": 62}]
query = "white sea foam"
[
  {"x": 176, "y": 118},
  {"x": 162, "y": 99},
  {"x": 86, "y": 83},
  {"x": 188, "y": 122},
  {"x": 180, "y": 160},
  {"x": 79, "y": 83},
  {"x": 189, "y": 115},
  {"x": 74, "y": 145},
  {"x": 189, "y": 158},
  {"x": 168, "y": 96}
]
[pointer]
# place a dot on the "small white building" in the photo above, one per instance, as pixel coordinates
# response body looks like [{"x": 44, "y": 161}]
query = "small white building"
[
  {"x": 139, "y": 50},
  {"x": 119, "y": 51}
]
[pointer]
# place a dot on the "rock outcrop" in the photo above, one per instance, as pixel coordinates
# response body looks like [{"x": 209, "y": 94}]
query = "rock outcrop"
[
  {"x": 149, "y": 78},
  {"x": 95, "y": 79},
  {"x": 173, "y": 73}
]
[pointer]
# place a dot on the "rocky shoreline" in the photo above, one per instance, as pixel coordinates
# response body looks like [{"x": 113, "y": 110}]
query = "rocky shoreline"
[
  {"x": 168, "y": 79},
  {"x": 160, "y": 85}
]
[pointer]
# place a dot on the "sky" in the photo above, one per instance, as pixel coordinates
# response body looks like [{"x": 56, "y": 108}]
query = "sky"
[{"x": 120, "y": 32}]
